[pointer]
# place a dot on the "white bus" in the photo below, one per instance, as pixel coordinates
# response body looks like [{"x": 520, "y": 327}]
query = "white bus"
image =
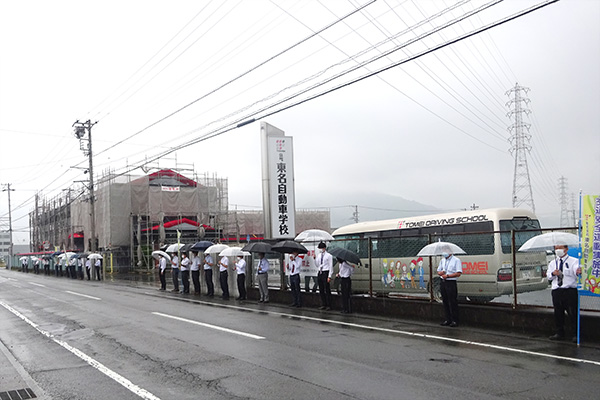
[{"x": 485, "y": 236}]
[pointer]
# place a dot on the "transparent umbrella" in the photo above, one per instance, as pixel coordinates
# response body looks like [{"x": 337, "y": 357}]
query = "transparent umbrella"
[
  {"x": 314, "y": 235},
  {"x": 437, "y": 248},
  {"x": 157, "y": 253},
  {"x": 232, "y": 252},
  {"x": 215, "y": 249},
  {"x": 547, "y": 241},
  {"x": 174, "y": 248}
]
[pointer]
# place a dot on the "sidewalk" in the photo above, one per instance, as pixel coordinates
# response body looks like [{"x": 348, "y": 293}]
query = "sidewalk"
[{"x": 15, "y": 382}]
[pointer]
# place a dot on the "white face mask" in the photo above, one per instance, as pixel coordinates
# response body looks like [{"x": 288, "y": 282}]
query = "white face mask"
[
  {"x": 445, "y": 255},
  {"x": 559, "y": 252}
]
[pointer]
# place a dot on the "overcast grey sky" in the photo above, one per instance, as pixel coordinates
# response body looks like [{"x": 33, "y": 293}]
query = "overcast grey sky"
[{"x": 433, "y": 130}]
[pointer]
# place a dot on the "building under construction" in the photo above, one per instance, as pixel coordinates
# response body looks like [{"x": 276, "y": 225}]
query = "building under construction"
[{"x": 138, "y": 214}]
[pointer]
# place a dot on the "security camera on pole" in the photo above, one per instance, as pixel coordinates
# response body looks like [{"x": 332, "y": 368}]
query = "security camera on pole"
[{"x": 81, "y": 129}]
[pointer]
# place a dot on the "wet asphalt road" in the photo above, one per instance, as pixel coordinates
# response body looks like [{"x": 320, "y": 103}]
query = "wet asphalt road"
[{"x": 91, "y": 340}]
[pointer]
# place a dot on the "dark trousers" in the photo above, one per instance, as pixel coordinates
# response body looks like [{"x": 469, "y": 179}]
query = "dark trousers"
[
  {"x": 185, "y": 279},
  {"x": 223, "y": 275},
  {"x": 565, "y": 300},
  {"x": 163, "y": 280},
  {"x": 175, "y": 274},
  {"x": 295, "y": 286},
  {"x": 241, "y": 282},
  {"x": 98, "y": 272},
  {"x": 209, "y": 282},
  {"x": 346, "y": 286},
  {"x": 324, "y": 288},
  {"x": 47, "y": 269},
  {"x": 196, "y": 281},
  {"x": 80, "y": 272},
  {"x": 307, "y": 283},
  {"x": 88, "y": 272},
  {"x": 450, "y": 299}
]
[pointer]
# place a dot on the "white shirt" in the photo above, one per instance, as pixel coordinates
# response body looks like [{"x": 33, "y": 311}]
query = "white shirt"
[
  {"x": 450, "y": 265},
  {"x": 163, "y": 264},
  {"x": 97, "y": 263},
  {"x": 263, "y": 266},
  {"x": 175, "y": 262},
  {"x": 295, "y": 265},
  {"x": 195, "y": 263},
  {"x": 324, "y": 262},
  {"x": 207, "y": 261},
  {"x": 240, "y": 266},
  {"x": 185, "y": 261},
  {"x": 346, "y": 270},
  {"x": 223, "y": 264},
  {"x": 570, "y": 265},
  {"x": 88, "y": 264}
]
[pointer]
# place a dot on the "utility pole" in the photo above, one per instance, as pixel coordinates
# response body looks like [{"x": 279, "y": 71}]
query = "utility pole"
[
  {"x": 10, "y": 246},
  {"x": 522, "y": 193},
  {"x": 562, "y": 198},
  {"x": 81, "y": 128},
  {"x": 355, "y": 214}
]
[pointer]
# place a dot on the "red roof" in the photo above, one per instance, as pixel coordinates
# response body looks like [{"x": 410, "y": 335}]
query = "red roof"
[
  {"x": 176, "y": 222},
  {"x": 169, "y": 173}
]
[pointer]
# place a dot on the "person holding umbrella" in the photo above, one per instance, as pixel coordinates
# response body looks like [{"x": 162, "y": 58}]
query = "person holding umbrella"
[
  {"x": 223, "y": 276},
  {"x": 175, "y": 272},
  {"x": 240, "y": 269},
  {"x": 294, "y": 268},
  {"x": 345, "y": 272},
  {"x": 196, "y": 272},
  {"x": 263, "y": 278},
  {"x": 88, "y": 267},
  {"x": 162, "y": 264},
  {"x": 324, "y": 262},
  {"x": 208, "y": 274},
  {"x": 563, "y": 272},
  {"x": 97, "y": 265},
  {"x": 185, "y": 273},
  {"x": 450, "y": 269}
]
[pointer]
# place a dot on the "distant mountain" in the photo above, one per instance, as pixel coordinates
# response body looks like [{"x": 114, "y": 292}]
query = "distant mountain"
[{"x": 371, "y": 207}]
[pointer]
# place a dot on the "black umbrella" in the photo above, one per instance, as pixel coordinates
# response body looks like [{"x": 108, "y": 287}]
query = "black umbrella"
[
  {"x": 345, "y": 255},
  {"x": 257, "y": 247},
  {"x": 289, "y": 246},
  {"x": 201, "y": 245}
]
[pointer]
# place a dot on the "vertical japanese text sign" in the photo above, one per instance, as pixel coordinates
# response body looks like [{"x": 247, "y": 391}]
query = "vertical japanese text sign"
[
  {"x": 281, "y": 186},
  {"x": 590, "y": 244}
]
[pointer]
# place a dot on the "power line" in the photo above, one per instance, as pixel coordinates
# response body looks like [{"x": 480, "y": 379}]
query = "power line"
[
  {"x": 253, "y": 116},
  {"x": 237, "y": 77}
]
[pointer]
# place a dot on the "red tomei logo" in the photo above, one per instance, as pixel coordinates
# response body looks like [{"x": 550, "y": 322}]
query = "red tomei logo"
[{"x": 475, "y": 268}]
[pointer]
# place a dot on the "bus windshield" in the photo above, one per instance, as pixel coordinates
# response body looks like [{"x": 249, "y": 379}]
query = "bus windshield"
[{"x": 525, "y": 229}]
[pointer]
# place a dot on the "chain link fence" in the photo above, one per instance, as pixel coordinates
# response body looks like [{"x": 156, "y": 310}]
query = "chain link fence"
[{"x": 494, "y": 271}]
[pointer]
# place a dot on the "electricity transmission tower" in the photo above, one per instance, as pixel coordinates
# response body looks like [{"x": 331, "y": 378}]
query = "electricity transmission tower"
[
  {"x": 562, "y": 199},
  {"x": 522, "y": 193}
]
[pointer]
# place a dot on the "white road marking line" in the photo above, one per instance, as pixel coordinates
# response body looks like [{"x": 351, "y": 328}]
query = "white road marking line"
[
  {"x": 144, "y": 394},
  {"x": 219, "y": 328},
  {"x": 83, "y": 295},
  {"x": 37, "y": 284},
  {"x": 415, "y": 334}
]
